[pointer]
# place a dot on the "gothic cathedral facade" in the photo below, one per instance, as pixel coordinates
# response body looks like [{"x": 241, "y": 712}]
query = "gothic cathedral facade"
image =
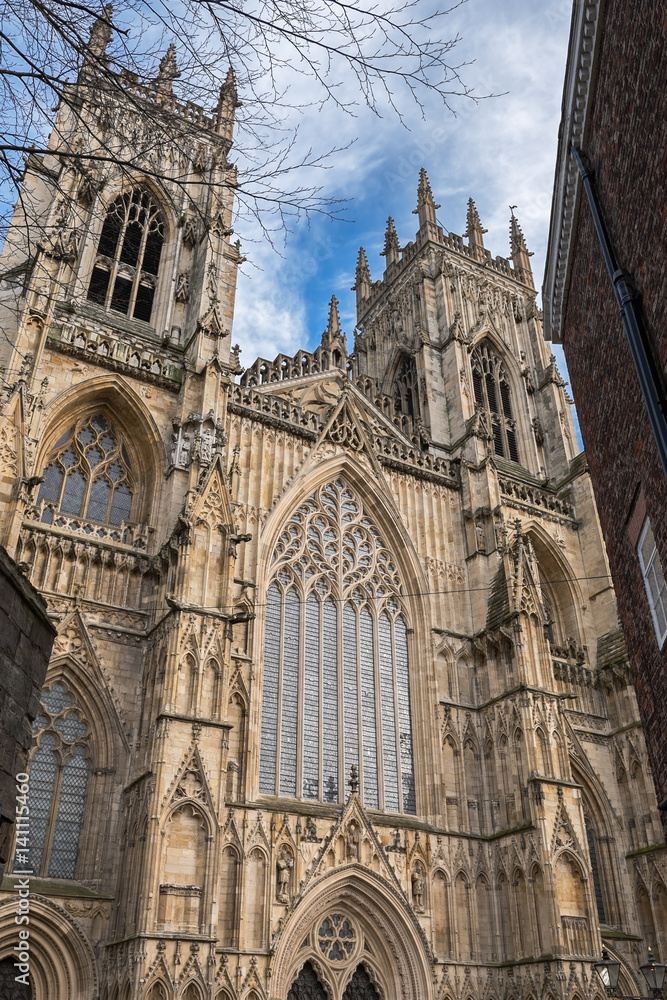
[{"x": 339, "y": 706}]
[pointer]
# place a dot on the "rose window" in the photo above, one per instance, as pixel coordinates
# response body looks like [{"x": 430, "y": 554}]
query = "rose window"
[{"x": 336, "y": 938}]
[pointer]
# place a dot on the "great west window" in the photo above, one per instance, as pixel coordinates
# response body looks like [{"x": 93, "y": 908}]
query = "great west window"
[{"x": 336, "y": 681}]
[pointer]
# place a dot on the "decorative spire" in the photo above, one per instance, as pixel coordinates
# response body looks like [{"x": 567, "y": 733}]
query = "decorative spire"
[
  {"x": 474, "y": 232},
  {"x": 100, "y": 36},
  {"x": 333, "y": 326},
  {"x": 227, "y": 105},
  {"x": 519, "y": 252},
  {"x": 333, "y": 338},
  {"x": 167, "y": 73},
  {"x": 426, "y": 206},
  {"x": 392, "y": 249},
  {"x": 362, "y": 278},
  {"x": 354, "y": 780}
]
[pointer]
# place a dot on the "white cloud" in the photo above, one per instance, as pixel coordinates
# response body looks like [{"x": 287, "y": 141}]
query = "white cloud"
[{"x": 500, "y": 152}]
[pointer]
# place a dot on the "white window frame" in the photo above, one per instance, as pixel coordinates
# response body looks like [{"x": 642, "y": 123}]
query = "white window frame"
[{"x": 651, "y": 583}]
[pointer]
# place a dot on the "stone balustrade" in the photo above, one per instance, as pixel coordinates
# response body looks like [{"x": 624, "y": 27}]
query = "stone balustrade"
[{"x": 528, "y": 494}]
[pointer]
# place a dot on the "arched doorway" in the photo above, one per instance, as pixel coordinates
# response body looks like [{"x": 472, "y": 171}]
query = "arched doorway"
[
  {"x": 62, "y": 962},
  {"x": 352, "y": 938}
]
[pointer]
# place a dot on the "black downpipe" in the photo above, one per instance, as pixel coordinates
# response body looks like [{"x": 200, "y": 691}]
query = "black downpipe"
[{"x": 627, "y": 298}]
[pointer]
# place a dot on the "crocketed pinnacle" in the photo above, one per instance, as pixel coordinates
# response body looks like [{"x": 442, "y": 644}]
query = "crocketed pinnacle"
[
  {"x": 168, "y": 71},
  {"x": 333, "y": 325},
  {"x": 517, "y": 239},
  {"x": 392, "y": 247},
  {"x": 100, "y": 34},
  {"x": 363, "y": 272},
  {"x": 228, "y": 92},
  {"x": 362, "y": 279},
  {"x": 519, "y": 252},
  {"x": 227, "y": 105},
  {"x": 474, "y": 230},
  {"x": 426, "y": 206}
]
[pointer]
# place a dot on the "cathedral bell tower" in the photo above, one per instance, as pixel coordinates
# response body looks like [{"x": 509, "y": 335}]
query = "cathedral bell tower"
[{"x": 116, "y": 306}]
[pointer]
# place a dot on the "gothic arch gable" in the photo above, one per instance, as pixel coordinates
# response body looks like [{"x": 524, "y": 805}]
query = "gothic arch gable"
[
  {"x": 403, "y": 959},
  {"x": 75, "y": 660},
  {"x": 114, "y": 395},
  {"x": 62, "y": 961}
]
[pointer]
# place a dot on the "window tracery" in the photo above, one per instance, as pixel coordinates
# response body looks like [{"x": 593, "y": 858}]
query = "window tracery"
[
  {"x": 59, "y": 771},
  {"x": 307, "y": 986},
  {"x": 406, "y": 389},
  {"x": 492, "y": 393},
  {"x": 126, "y": 267},
  {"x": 336, "y": 683},
  {"x": 88, "y": 474}
]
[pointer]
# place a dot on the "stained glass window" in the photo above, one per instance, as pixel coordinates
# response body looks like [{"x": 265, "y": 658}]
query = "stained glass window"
[
  {"x": 336, "y": 688},
  {"x": 58, "y": 780},
  {"x": 88, "y": 474},
  {"x": 492, "y": 393},
  {"x": 124, "y": 277}
]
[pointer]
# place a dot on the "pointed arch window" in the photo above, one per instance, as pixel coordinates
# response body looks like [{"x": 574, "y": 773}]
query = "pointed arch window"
[
  {"x": 492, "y": 393},
  {"x": 126, "y": 267},
  {"x": 406, "y": 394},
  {"x": 595, "y": 870},
  {"x": 58, "y": 780},
  {"x": 336, "y": 679},
  {"x": 88, "y": 474}
]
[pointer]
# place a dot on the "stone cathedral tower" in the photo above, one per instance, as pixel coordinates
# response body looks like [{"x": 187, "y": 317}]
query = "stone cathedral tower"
[{"x": 338, "y": 705}]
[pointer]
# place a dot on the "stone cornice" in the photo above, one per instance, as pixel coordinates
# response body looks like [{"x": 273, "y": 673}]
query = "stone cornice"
[{"x": 578, "y": 93}]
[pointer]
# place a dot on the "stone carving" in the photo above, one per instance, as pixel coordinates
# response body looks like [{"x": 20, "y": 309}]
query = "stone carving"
[
  {"x": 197, "y": 438},
  {"x": 417, "y": 880},
  {"x": 284, "y": 867},
  {"x": 182, "y": 287}
]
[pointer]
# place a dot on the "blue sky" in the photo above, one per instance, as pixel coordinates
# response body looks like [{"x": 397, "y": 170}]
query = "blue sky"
[{"x": 501, "y": 152}]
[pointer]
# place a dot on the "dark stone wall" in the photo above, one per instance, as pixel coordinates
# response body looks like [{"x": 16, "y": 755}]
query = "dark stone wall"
[
  {"x": 26, "y": 639},
  {"x": 627, "y": 148}
]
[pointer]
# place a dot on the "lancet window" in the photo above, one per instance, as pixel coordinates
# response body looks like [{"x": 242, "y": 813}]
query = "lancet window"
[
  {"x": 58, "y": 774},
  {"x": 406, "y": 394},
  {"x": 88, "y": 474},
  {"x": 336, "y": 680},
  {"x": 492, "y": 393},
  {"x": 128, "y": 256}
]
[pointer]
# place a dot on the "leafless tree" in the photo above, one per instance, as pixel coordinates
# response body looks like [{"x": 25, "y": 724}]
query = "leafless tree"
[{"x": 386, "y": 54}]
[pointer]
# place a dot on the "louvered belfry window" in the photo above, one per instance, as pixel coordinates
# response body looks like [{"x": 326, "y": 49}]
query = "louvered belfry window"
[
  {"x": 88, "y": 474},
  {"x": 336, "y": 681},
  {"x": 128, "y": 256},
  {"x": 58, "y": 774},
  {"x": 492, "y": 393}
]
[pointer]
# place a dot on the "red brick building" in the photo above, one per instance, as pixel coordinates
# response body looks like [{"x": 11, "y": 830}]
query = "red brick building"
[{"x": 615, "y": 112}]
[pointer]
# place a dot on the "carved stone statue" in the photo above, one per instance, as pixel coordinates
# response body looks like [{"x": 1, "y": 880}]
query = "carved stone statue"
[
  {"x": 480, "y": 533},
  {"x": 184, "y": 455},
  {"x": 284, "y": 865},
  {"x": 353, "y": 842},
  {"x": 418, "y": 890},
  {"x": 206, "y": 445}
]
